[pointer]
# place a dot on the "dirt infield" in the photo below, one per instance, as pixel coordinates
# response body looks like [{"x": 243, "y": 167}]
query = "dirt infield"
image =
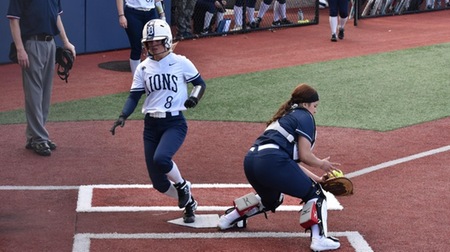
[{"x": 397, "y": 206}]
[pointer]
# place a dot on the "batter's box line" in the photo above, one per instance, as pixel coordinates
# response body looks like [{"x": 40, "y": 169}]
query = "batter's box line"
[
  {"x": 82, "y": 241},
  {"x": 85, "y": 195}
]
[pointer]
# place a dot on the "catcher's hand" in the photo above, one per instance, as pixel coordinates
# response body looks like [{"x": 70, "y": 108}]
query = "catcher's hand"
[
  {"x": 337, "y": 184},
  {"x": 119, "y": 122}
]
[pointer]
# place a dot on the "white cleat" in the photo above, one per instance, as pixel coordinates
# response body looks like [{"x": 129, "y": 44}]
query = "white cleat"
[
  {"x": 225, "y": 222},
  {"x": 324, "y": 243}
]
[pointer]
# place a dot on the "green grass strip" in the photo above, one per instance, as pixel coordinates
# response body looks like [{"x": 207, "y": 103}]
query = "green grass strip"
[{"x": 378, "y": 92}]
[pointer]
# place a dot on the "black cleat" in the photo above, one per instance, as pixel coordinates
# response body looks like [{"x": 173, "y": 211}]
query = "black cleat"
[
  {"x": 333, "y": 38},
  {"x": 341, "y": 33},
  {"x": 184, "y": 193},
  {"x": 189, "y": 211},
  {"x": 285, "y": 21}
]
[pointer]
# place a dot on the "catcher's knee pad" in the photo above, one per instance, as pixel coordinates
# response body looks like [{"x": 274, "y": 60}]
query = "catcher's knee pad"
[
  {"x": 315, "y": 212},
  {"x": 248, "y": 204}
]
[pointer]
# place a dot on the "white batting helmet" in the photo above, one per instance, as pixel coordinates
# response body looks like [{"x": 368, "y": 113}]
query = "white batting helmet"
[{"x": 157, "y": 29}]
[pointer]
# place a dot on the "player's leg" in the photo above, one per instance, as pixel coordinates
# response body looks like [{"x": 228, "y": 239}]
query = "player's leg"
[
  {"x": 134, "y": 33},
  {"x": 276, "y": 14},
  {"x": 219, "y": 16},
  {"x": 238, "y": 15},
  {"x": 207, "y": 22},
  {"x": 161, "y": 142},
  {"x": 265, "y": 5},
  {"x": 314, "y": 217},
  {"x": 343, "y": 17},
  {"x": 257, "y": 170},
  {"x": 251, "y": 13},
  {"x": 210, "y": 10},
  {"x": 248, "y": 206},
  {"x": 282, "y": 12},
  {"x": 333, "y": 18}
]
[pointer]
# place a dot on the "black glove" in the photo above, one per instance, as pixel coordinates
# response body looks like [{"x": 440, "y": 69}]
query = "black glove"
[
  {"x": 191, "y": 102},
  {"x": 120, "y": 122}
]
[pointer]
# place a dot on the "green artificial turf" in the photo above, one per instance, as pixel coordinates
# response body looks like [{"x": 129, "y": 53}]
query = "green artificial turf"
[{"x": 379, "y": 92}]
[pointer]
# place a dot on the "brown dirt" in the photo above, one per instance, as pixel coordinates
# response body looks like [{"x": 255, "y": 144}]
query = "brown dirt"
[{"x": 395, "y": 209}]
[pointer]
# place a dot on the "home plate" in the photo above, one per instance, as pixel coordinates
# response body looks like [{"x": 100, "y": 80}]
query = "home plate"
[{"x": 201, "y": 221}]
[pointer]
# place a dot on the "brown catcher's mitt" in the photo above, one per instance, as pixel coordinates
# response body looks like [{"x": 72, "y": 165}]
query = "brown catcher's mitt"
[{"x": 337, "y": 184}]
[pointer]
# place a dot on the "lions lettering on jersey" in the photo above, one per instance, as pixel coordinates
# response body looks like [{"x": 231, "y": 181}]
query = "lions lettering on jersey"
[
  {"x": 164, "y": 82},
  {"x": 161, "y": 82}
]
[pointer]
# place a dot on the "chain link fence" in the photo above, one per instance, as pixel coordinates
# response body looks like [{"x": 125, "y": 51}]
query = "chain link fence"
[{"x": 228, "y": 17}]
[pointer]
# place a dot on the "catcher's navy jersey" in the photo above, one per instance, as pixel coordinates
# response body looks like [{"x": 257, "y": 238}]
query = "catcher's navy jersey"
[
  {"x": 298, "y": 122},
  {"x": 165, "y": 82}
]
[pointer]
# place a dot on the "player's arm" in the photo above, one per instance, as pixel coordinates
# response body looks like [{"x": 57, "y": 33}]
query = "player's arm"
[
  {"x": 120, "y": 12},
  {"x": 128, "y": 109},
  {"x": 311, "y": 174},
  {"x": 307, "y": 156},
  {"x": 160, "y": 9},
  {"x": 196, "y": 93}
]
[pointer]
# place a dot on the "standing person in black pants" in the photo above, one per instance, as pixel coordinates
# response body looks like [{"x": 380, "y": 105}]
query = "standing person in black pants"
[
  {"x": 133, "y": 15},
  {"x": 338, "y": 7},
  {"x": 34, "y": 23}
]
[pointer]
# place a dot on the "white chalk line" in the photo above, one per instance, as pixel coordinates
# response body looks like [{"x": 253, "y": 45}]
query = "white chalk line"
[
  {"x": 82, "y": 241},
  {"x": 397, "y": 161},
  {"x": 85, "y": 195}
]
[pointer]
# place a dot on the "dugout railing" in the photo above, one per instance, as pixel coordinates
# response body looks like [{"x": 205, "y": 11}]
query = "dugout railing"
[{"x": 298, "y": 13}]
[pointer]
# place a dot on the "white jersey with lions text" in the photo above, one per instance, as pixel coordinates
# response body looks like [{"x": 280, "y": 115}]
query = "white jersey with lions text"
[{"x": 165, "y": 82}]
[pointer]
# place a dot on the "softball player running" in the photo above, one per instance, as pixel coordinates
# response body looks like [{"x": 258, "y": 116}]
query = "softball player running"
[
  {"x": 163, "y": 77},
  {"x": 271, "y": 167}
]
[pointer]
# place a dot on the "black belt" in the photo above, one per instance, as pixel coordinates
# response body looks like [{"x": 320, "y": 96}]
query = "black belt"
[{"x": 40, "y": 37}]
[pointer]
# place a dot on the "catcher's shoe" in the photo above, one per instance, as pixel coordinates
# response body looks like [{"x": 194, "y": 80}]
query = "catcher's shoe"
[
  {"x": 324, "y": 243},
  {"x": 189, "y": 211},
  {"x": 184, "y": 193},
  {"x": 231, "y": 219}
]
